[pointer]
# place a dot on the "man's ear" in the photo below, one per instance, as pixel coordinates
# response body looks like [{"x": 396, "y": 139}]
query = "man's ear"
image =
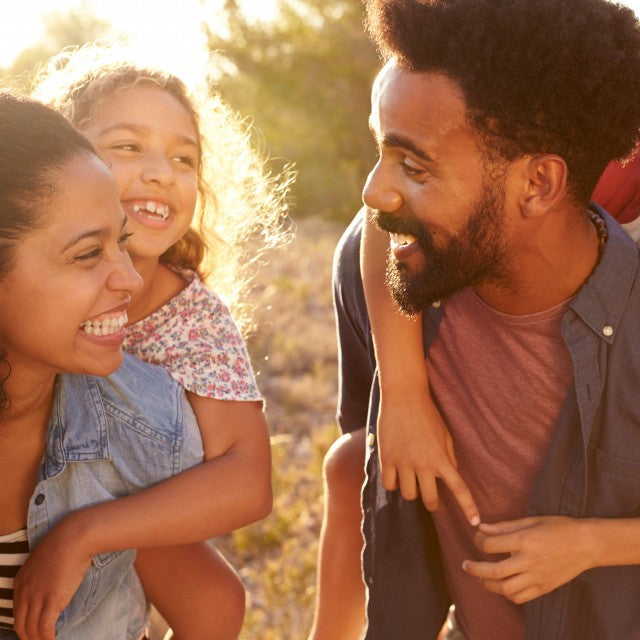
[{"x": 545, "y": 184}]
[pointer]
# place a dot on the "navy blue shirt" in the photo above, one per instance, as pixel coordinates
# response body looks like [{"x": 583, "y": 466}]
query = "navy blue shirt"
[{"x": 592, "y": 468}]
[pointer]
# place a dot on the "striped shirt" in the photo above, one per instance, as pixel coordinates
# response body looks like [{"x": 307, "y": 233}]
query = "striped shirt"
[{"x": 14, "y": 550}]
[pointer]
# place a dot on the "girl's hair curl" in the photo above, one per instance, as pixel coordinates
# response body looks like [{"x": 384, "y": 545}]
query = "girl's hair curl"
[{"x": 242, "y": 206}]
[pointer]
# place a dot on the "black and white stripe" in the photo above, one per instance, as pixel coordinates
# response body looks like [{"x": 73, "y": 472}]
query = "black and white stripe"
[{"x": 14, "y": 550}]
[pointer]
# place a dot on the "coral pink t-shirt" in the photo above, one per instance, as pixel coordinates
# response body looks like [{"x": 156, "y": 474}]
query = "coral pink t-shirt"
[{"x": 499, "y": 381}]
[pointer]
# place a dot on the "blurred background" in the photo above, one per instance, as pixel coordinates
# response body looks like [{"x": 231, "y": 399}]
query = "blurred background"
[{"x": 300, "y": 71}]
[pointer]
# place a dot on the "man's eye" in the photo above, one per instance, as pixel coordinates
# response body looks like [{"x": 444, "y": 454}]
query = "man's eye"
[{"x": 411, "y": 170}]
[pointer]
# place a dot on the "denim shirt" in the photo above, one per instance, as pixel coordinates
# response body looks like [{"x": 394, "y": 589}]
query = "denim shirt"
[
  {"x": 592, "y": 469},
  {"x": 109, "y": 437}
]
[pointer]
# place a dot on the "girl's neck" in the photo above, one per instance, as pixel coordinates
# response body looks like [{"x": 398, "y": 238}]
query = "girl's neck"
[{"x": 161, "y": 284}]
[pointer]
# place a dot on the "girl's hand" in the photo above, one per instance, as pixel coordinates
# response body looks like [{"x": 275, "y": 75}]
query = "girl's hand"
[
  {"x": 415, "y": 448},
  {"x": 545, "y": 552},
  {"x": 46, "y": 583}
]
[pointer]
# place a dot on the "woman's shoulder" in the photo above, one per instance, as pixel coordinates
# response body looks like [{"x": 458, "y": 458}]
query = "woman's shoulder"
[{"x": 141, "y": 395}]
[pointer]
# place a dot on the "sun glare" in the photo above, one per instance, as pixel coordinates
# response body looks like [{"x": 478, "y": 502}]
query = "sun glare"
[{"x": 169, "y": 34}]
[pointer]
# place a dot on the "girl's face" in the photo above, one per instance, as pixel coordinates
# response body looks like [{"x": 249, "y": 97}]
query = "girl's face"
[
  {"x": 150, "y": 143},
  {"x": 65, "y": 296}
]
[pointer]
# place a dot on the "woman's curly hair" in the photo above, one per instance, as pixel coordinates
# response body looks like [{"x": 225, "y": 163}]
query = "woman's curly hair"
[
  {"x": 242, "y": 206},
  {"x": 538, "y": 76}
]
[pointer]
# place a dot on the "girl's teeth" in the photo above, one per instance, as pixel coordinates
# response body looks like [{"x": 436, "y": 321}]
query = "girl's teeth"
[{"x": 161, "y": 210}]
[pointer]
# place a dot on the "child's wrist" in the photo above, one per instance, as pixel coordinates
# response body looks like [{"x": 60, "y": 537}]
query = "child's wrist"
[{"x": 404, "y": 390}]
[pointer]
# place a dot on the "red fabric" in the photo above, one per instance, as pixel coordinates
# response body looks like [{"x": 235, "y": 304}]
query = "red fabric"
[{"x": 618, "y": 190}]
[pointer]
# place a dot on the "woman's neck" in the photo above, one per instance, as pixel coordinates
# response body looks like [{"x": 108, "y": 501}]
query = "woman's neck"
[{"x": 31, "y": 398}]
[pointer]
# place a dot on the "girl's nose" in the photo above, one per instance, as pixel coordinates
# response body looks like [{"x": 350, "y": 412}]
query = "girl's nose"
[{"x": 158, "y": 169}]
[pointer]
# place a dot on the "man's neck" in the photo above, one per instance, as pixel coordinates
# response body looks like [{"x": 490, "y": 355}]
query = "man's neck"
[{"x": 551, "y": 260}]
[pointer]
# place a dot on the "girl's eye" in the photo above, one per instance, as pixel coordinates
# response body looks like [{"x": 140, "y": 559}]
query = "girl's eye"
[
  {"x": 187, "y": 160},
  {"x": 126, "y": 146}
]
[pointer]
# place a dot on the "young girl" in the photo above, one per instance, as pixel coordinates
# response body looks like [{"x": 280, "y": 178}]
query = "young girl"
[
  {"x": 152, "y": 135},
  {"x": 71, "y": 442},
  {"x": 414, "y": 444}
]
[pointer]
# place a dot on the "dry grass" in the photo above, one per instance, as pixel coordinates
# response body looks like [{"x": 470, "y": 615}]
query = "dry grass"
[{"x": 294, "y": 355}]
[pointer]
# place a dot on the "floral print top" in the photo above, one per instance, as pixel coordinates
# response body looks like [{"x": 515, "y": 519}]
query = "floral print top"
[{"x": 194, "y": 338}]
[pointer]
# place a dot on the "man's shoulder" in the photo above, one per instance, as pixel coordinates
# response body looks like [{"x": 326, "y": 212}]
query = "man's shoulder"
[{"x": 347, "y": 278}]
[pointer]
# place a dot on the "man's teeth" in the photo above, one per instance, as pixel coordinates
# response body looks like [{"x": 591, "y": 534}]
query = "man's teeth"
[
  {"x": 105, "y": 326},
  {"x": 161, "y": 210},
  {"x": 400, "y": 239}
]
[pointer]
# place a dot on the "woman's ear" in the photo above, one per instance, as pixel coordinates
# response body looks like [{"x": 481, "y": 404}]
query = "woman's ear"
[{"x": 546, "y": 184}]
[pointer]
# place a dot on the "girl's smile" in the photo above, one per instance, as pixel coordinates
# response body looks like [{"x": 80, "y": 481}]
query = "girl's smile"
[{"x": 150, "y": 142}]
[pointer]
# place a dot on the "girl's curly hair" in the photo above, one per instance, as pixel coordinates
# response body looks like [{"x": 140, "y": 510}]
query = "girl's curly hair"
[
  {"x": 538, "y": 76},
  {"x": 242, "y": 206}
]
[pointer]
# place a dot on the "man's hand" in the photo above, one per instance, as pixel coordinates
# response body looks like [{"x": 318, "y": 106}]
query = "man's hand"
[
  {"x": 545, "y": 552},
  {"x": 415, "y": 448},
  {"x": 46, "y": 583}
]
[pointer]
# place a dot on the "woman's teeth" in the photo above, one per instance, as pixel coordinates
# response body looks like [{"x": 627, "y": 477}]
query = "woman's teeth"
[
  {"x": 106, "y": 326},
  {"x": 160, "y": 210},
  {"x": 400, "y": 239}
]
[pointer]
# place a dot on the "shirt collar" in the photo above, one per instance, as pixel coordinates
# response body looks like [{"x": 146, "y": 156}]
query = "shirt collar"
[
  {"x": 601, "y": 300},
  {"x": 78, "y": 425}
]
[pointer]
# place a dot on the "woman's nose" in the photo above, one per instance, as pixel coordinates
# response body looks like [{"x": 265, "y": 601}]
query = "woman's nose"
[{"x": 124, "y": 276}]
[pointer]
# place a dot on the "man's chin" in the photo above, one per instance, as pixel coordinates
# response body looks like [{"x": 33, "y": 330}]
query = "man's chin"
[{"x": 409, "y": 300}]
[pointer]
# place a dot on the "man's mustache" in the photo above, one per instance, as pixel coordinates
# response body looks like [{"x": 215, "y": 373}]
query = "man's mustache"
[{"x": 393, "y": 224}]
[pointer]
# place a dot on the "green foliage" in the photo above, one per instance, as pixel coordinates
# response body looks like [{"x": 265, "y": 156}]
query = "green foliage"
[
  {"x": 305, "y": 81},
  {"x": 74, "y": 27}
]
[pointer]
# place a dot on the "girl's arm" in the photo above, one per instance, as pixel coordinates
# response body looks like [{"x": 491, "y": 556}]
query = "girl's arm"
[
  {"x": 413, "y": 442},
  {"x": 231, "y": 489}
]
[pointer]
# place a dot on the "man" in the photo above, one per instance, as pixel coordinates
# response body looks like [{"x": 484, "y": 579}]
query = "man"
[{"x": 494, "y": 120}]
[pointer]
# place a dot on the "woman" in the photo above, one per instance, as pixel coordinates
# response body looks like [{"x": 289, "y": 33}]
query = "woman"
[{"x": 69, "y": 441}]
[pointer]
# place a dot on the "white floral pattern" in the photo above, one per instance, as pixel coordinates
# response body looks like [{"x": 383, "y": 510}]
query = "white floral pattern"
[{"x": 195, "y": 338}]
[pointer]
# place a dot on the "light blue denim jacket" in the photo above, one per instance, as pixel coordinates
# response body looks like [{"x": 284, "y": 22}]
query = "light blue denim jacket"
[{"x": 109, "y": 437}]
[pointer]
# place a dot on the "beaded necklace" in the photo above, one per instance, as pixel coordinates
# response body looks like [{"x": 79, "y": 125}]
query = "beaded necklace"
[{"x": 601, "y": 230}]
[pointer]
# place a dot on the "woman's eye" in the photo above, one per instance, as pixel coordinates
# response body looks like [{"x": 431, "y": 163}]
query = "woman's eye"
[
  {"x": 90, "y": 255},
  {"x": 122, "y": 240}
]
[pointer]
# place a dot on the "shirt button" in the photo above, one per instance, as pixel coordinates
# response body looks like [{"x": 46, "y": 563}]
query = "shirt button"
[
  {"x": 607, "y": 330},
  {"x": 371, "y": 439},
  {"x": 39, "y": 499},
  {"x": 436, "y": 304}
]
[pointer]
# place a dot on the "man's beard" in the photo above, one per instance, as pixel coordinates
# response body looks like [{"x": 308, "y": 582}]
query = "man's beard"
[{"x": 475, "y": 255}]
